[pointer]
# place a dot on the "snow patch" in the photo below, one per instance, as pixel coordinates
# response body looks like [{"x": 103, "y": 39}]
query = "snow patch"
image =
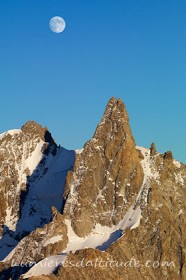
[
  {"x": 147, "y": 164},
  {"x": 9, "y": 218},
  {"x": 101, "y": 237},
  {"x": 179, "y": 179},
  {"x": 177, "y": 163},
  {"x": 32, "y": 161},
  {"x": 98, "y": 236},
  {"x": 10, "y": 132},
  {"x": 53, "y": 240},
  {"x": 181, "y": 212},
  {"x": 79, "y": 151},
  {"x": 46, "y": 266}
]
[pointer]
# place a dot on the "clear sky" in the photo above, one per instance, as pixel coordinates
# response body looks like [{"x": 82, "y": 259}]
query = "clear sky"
[{"x": 134, "y": 49}]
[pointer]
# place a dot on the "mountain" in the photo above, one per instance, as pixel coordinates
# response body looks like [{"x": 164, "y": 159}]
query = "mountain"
[
  {"x": 112, "y": 210},
  {"x": 33, "y": 174}
]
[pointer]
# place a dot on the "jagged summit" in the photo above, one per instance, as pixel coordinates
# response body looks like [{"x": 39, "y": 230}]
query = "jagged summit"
[
  {"x": 31, "y": 127},
  {"x": 114, "y": 120},
  {"x": 107, "y": 174}
]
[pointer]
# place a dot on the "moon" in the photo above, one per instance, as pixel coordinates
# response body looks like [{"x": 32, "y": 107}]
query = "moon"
[{"x": 57, "y": 24}]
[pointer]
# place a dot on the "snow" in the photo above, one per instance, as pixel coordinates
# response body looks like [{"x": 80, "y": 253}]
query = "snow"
[
  {"x": 101, "y": 237},
  {"x": 177, "y": 163},
  {"x": 46, "y": 266},
  {"x": 181, "y": 212},
  {"x": 132, "y": 218},
  {"x": 32, "y": 161},
  {"x": 147, "y": 164},
  {"x": 47, "y": 190},
  {"x": 44, "y": 192},
  {"x": 7, "y": 244},
  {"x": 53, "y": 240},
  {"x": 11, "y": 254},
  {"x": 98, "y": 236},
  {"x": 149, "y": 173},
  {"x": 10, "y": 132},
  {"x": 79, "y": 151},
  {"x": 179, "y": 179},
  {"x": 9, "y": 218}
]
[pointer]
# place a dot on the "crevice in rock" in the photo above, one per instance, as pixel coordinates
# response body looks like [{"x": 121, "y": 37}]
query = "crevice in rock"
[{"x": 181, "y": 257}]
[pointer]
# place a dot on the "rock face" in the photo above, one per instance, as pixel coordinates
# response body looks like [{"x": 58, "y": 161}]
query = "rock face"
[
  {"x": 158, "y": 243},
  {"x": 20, "y": 153},
  {"x": 168, "y": 155},
  {"x": 32, "y": 128},
  {"x": 31, "y": 181},
  {"x": 107, "y": 174},
  {"x": 122, "y": 207}
]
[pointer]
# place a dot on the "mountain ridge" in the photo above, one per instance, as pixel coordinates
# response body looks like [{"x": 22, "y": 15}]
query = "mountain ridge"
[{"x": 125, "y": 193}]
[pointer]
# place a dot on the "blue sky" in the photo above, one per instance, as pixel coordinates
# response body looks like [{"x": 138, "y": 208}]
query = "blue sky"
[{"x": 135, "y": 50}]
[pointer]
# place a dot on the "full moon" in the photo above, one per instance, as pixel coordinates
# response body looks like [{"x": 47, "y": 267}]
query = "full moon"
[{"x": 57, "y": 24}]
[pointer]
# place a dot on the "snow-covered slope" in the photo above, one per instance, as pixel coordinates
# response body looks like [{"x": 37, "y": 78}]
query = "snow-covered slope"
[
  {"x": 32, "y": 178},
  {"x": 46, "y": 190}
]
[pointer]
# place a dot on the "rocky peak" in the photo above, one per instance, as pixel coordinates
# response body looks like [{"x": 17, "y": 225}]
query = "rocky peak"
[
  {"x": 115, "y": 116},
  {"x": 35, "y": 129},
  {"x": 107, "y": 174},
  {"x": 168, "y": 155},
  {"x": 153, "y": 149}
]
